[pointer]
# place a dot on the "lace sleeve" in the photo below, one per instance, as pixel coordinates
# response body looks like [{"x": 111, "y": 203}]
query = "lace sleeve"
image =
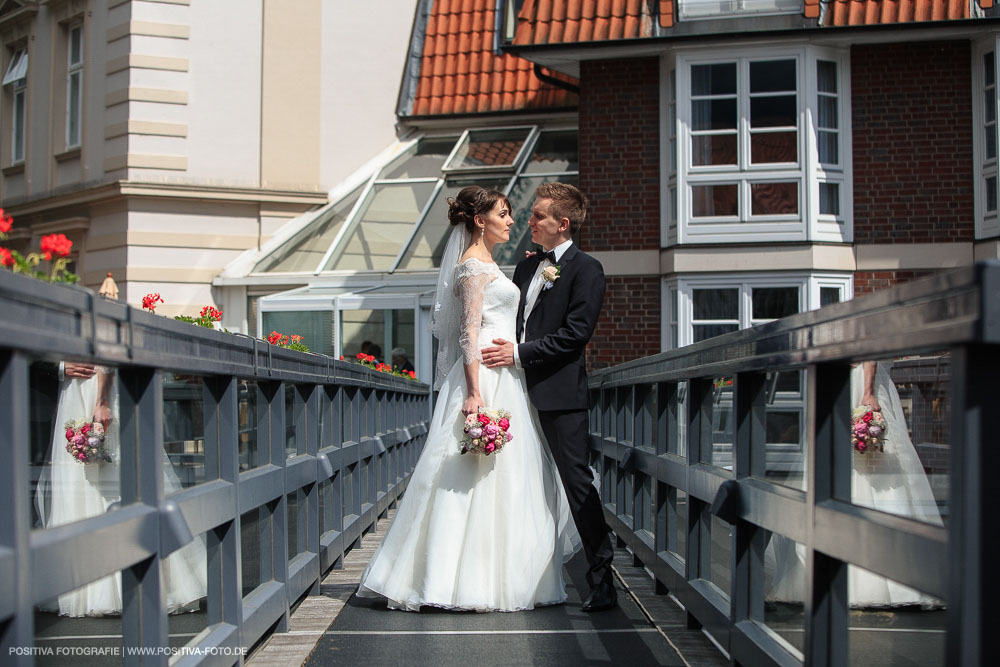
[{"x": 471, "y": 279}]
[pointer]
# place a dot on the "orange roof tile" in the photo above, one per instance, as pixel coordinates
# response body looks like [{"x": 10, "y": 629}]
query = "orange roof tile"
[
  {"x": 871, "y": 12},
  {"x": 569, "y": 21},
  {"x": 460, "y": 73}
]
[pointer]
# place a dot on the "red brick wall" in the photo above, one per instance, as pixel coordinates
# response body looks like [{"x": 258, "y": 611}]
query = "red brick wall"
[
  {"x": 620, "y": 153},
  {"x": 866, "y": 282},
  {"x": 629, "y": 327},
  {"x": 912, "y": 122}
]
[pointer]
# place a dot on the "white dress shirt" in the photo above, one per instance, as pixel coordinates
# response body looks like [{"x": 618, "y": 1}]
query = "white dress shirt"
[{"x": 534, "y": 289}]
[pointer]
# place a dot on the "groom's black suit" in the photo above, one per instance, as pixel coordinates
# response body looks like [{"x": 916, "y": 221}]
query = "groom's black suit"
[{"x": 552, "y": 356}]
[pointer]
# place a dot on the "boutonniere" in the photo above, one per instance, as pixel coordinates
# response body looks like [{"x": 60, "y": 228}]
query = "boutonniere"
[{"x": 550, "y": 275}]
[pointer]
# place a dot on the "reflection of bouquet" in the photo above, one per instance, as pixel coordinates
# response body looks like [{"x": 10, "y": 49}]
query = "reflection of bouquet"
[
  {"x": 85, "y": 442},
  {"x": 486, "y": 432},
  {"x": 867, "y": 429}
]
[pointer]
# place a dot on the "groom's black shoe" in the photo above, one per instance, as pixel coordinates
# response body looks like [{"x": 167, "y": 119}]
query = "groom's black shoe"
[{"x": 603, "y": 597}]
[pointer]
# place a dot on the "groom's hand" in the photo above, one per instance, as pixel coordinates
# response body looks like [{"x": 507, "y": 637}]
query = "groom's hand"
[{"x": 501, "y": 355}]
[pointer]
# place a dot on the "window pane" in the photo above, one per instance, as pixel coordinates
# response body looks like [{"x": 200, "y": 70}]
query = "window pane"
[
  {"x": 705, "y": 331},
  {"x": 489, "y": 148},
  {"x": 828, "y": 151},
  {"x": 714, "y": 200},
  {"x": 73, "y": 111},
  {"x": 989, "y": 69},
  {"x": 770, "y": 303},
  {"x": 713, "y": 79},
  {"x": 827, "y": 117},
  {"x": 772, "y": 76},
  {"x": 75, "y": 45},
  {"x": 716, "y": 304},
  {"x": 424, "y": 161},
  {"x": 774, "y": 198},
  {"x": 991, "y": 142},
  {"x": 828, "y": 295},
  {"x": 826, "y": 75},
  {"x": 713, "y": 114},
  {"x": 522, "y": 196},
  {"x": 18, "y": 151},
  {"x": 829, "y": 198},
  {"x": 315, "y": 327},
  {"x": 768, "y": 147},
  {"x": 709, "y": 149},
  {"x": 554, "y": 152},
  {"x": 183, "y": 432},
  {"x": 428, "y": 245},
  {"x": 385, "y": 225},
  {"x": 776, "y": 111},
  {"x": 991, "y": 193}
]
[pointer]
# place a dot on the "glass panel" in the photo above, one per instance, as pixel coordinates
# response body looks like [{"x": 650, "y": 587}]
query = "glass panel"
[
  {"x": 828, "y": 295},
  {"x": 677, "y": 437},
  {"x": 991, "y": 193},
  {"x": 784, "y": 589},
  {"x": 73, "y": 111},
  {"x": 386, "y": 220},
  {"x": 713, "y": 79},
  {"x": 892, "y": 624},
  {"x": 770, "y": 147},
  {"x": 716, "y": 304},
  {"x": 75, "y": 470},
  {"x": 183, "y": 431},
  {"x": 705, "y": 331},
  {"x": 18, "y": 152},
  {"x": 255, "y": 526},
  {"x": 248, "y": 415},
  {"x": 989, "y": 69},
  {"x": 829, "y": 198},
  {"x": 392, "y": 328},
  {"x": 522, "y": 196},
  {"x": 827, "y": 116},
  {"x": 329, "y": 508},
  {"x": 184, "y": 575},
  {"x": 75, "y": 45},
  {"x": 307, "y": 249},
  {"x": 714, "y": 200},
  {"x": 709, "y": 149},
  {"x": 718, "y": 114},
  {"x": 776, "y": 111},
  {"x": 905, "y": 469},
  {"x": 826, "y": 76},
  {"x": 991, "y": 142},
  {"x": 722, "y": 549},
  {"x": 315, "y": 327},
  {"x": 774, "y": 198},
  {"x": 424, "y": 161},
  {"x": 772, "y": 76},
  {"x": 829, "y": 152},
  {"x": 679, "y": 499},
  {"x": 62, "y": 640},
  {"x": 554, "y": 152},
  {"x": 770, "y": 303},
  {"x": 298, "y": 523},
  {"x": 425, "y": 251},
  {"x": 295, "y": 437},
  {"x": 489, "y": 148},
  {"x": 723, "y": 425}
]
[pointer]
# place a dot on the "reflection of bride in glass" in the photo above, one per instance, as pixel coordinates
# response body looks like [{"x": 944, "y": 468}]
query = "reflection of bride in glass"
[
  {"x": 69, "y": 491},
  {"x": 892, "y": 481}
]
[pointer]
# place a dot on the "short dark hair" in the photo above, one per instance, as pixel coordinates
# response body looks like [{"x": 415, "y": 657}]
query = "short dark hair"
[{"x": 567, "y": 202}]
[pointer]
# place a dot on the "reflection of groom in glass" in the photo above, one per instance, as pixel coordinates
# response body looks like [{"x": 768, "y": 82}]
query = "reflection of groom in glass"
[{"x": 562, "y": 290}]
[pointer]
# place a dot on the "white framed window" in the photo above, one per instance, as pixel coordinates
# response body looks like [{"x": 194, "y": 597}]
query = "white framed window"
[
  {"x": 707, "y": 9},
  {"x": 17, "y": 78},
  {"x": 984, "y": 115},
  {"x": 762, "y": 148},
  {"x": 74, "y": 85}
]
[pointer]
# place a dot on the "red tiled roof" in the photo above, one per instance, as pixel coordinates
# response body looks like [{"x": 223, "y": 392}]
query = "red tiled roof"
[
  {"x": 871, "y": 12},
  {"x": 460, "y": 74},
  {"x": 567, "y": 21}
]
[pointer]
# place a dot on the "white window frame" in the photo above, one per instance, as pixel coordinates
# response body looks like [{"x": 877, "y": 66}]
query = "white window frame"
[
  {"x": 17, "y": 78},
  {"x": 807, "y": 224},
  {"x": 700, "y": 10},
  {"x": 74, "y": 70},
  {"x": 987, "y": 223}
]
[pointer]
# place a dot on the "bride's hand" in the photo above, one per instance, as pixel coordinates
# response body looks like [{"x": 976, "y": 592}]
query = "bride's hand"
[
  {"x": 472, "y": 404},
  {"x": 102, "y": 414},
  {"x": 871, "y": 401}
]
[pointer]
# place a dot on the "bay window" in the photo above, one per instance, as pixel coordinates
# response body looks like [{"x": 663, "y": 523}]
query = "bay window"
[{"x": 984, "y": 109}]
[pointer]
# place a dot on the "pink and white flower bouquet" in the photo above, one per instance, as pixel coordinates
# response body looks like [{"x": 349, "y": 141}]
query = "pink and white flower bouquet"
[
  {"x": 486, "y": 432},
  {"x": 867, "y": 429},
  {"x": 85, "y": 442}
]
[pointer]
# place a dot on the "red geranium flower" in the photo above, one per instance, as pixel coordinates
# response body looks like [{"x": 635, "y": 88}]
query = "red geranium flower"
[
  {"x": 55, "y": 244},
  {"x": 149, "y": 301},
  {"x": 412, "y": 374},
  {"x": 274, "y": 338},
  {"x": 6, "y": 259},
  {"x": 6, "y": 222}
]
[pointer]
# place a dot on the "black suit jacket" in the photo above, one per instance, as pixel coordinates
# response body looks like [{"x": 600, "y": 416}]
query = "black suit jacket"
[{"x": 558, "y": 329}]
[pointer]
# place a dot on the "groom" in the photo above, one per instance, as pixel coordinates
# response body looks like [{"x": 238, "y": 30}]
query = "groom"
[{"x": 562, "y": 290}]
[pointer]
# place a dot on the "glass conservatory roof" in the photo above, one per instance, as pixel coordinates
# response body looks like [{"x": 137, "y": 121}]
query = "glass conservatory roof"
[{"x": 397, "y": 220}]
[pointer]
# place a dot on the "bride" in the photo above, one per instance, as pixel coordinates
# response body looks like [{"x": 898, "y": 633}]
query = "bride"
[
  {"x": 892, "y": 480},
  {"x": 69, "y": 491},
  {"x": 474, "y": 532}
]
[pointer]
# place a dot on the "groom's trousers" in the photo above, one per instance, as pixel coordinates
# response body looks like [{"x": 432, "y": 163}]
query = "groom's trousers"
[{"x": 568, "y": 435}]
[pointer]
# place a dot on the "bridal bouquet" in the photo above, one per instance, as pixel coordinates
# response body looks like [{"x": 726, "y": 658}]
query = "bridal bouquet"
[
  {"x": 486, "y": 432},
  {"x": 867, "y": 429},
  {"x": 85, "y": 442}
]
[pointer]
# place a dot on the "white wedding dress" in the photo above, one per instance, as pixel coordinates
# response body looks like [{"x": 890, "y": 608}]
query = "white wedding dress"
[
  {"x": 473, "y": 532},
  {"x": 69, "y": 491},
  {"x": 892, "y": 481}
]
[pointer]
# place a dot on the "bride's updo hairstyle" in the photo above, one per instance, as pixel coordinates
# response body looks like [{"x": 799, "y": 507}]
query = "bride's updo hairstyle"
[{"x": 471, "y": 201}]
